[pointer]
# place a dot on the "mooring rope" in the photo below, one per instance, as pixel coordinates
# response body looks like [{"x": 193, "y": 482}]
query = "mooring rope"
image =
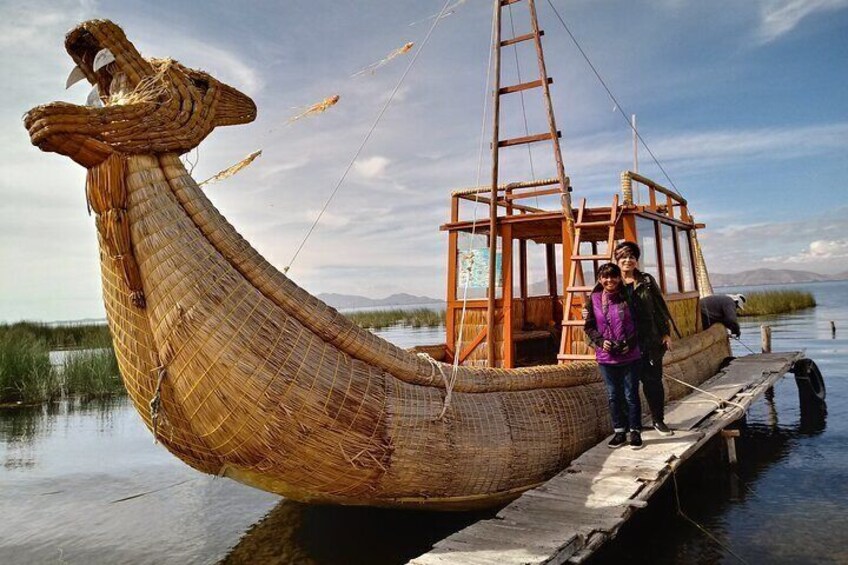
[
  {"x": 367, "y": 136},
  {"x": 742, "y": 343},
  {"x": 696, "y": 524},
  {"x": 719, "y": 400}
]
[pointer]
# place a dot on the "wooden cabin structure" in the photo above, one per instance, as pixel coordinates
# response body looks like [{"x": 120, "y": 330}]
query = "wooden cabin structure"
[
  {"x": 538, "y": 311},
  {"x": 534, "y": 315}
]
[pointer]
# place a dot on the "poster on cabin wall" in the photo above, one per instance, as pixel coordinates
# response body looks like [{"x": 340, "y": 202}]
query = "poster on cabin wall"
[{"x": 474, "y": 268}]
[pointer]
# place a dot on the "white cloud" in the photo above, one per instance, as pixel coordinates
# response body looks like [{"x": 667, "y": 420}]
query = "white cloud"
[
  {"x": 819, "y": 250},
  {"x": 782, "y": 16},
  {"x": 372, "y": 167}
]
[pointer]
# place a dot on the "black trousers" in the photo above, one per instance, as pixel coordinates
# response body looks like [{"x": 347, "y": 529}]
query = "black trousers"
[{"x": 652, "y": 386}]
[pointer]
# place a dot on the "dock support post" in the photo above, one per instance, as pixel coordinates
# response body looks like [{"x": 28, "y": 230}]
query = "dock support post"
[
  {"x": 730, "y": 442},
  {"x": 765, "y": 336}
]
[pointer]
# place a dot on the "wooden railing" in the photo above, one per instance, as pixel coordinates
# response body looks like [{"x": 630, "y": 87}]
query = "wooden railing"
[{"x": 664, "y": 206}]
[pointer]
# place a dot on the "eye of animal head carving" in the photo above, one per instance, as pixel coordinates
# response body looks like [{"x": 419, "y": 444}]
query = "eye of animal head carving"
[{"x": 149, "y": 105}]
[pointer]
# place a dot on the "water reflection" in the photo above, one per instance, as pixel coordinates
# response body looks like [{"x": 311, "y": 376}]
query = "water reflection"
[{"x": 317, "y": 535}]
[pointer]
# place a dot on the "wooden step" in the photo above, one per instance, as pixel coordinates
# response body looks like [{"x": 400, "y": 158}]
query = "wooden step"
[
  {"x": 580, "y": 288},
  {"x": 574, "y": 357},
  {"x": 523, "y": 86},
  {"x": 520, "y": 38},
  {"x": 574, "y": 323},
  {"x": 527, "y": 139},
  {"x": 522, "y": 195},
  {"x": 508, "y": 2},
  {"x": 598, "y": 224},
  {"x": 590, "y": 258}
]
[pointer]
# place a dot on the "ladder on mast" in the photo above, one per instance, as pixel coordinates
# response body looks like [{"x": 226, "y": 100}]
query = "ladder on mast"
[{"x": 553, "y": 135}]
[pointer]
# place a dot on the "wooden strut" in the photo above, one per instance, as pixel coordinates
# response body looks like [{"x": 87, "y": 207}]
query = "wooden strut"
[{"x": 106, "y": 192}]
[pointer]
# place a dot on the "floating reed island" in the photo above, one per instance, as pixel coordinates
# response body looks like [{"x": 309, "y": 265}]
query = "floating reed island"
[{"x": 769, "y": 302}]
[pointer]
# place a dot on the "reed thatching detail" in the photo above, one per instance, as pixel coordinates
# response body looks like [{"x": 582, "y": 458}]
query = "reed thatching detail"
[{"x": 264, "y": 383}]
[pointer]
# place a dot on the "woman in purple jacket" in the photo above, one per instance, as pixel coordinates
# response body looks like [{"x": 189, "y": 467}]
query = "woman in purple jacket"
[{"x": 611, "y": 326}]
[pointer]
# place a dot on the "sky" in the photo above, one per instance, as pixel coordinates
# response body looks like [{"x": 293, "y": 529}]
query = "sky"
[{"x": 745, "y": 104}]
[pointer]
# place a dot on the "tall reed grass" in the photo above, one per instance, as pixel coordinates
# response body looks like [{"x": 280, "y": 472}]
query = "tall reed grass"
[
  {"x": 418, "y": 318},
  {"x": 91, "y": 372},
  {"x": 766, "y": 302},
  {"x": 27, "y": 375},
  {"x": 63, "y": 336},
  {"x": 25, "y": 371}
]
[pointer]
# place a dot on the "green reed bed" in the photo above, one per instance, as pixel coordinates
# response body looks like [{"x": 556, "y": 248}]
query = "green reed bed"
[
  {"x": 379, "y": 319},
  {"x": 63, "y": 336},
  {"x": 27, "y": 376},
  {"x": 763, "y": 303},
  {"x": 92, "y": 372},
  {"x": 25, "y": 371}
]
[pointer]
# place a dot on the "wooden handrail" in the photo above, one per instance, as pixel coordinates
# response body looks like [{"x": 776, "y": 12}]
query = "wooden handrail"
[{"x": 627, "y": 188}]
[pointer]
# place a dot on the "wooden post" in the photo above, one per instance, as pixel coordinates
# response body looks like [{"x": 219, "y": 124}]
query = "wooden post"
[
  {"x": 730, "y": 442},
  {"x": 765, "y": 336},
  {"x": 493, "y": 205},
  {"x": 833, "y": 329}
]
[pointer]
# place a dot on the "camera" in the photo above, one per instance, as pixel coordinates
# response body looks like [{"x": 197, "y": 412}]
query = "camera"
[{"x": 618, "y": 347}]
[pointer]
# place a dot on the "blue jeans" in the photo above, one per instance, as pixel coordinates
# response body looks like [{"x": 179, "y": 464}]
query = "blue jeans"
[{"x": 623, "y": 395}]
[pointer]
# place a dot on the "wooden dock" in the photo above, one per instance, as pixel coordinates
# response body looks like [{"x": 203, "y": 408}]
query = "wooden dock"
[{"x": 572, "y": 515}]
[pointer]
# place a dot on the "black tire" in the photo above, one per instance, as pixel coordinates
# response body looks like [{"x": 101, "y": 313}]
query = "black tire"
[{"x": 810, "y": 381}]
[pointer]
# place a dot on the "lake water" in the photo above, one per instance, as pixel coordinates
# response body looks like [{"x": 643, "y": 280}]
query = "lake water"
[{"x": 84, "y": 483}]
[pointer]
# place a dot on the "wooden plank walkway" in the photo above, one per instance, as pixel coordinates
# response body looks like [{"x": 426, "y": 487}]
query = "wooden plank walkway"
[{"x": 573, "y": 514}]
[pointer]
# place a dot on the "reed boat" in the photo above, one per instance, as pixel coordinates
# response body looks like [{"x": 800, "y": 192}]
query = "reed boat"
[{"x": 239, "y": 372}]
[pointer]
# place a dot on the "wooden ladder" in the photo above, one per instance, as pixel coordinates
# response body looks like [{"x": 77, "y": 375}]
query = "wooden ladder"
[
  {"x": 557, "y": 185},
  {"x": 543, "y": 82},
  {"x": 572, "y": 315}
]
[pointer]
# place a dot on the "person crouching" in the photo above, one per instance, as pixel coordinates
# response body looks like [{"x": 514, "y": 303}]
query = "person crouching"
[{"x": 611, "y": 327}]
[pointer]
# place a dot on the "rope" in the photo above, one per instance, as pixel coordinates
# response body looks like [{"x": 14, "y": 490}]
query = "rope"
[
  {"x": 449, "y": 383},
  {"x": 720, "y": 401},
  {"x": 742, "y": 343},
  {"x": 615, "y": 101},
  {"x": 455, "y": 364},
  {"x": 367, "y": 136},
  {"x": 156, "y": 402},
  {"x": 696, "y": 524}
]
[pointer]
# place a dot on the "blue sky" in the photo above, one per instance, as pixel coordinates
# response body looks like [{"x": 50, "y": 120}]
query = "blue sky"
[{"x": 744, "y": 103}]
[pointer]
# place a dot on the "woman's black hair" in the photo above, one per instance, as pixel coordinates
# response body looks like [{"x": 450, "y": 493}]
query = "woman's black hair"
[
  {"x": 627, "y": 248},
  {"x": 609, "y": 269}
]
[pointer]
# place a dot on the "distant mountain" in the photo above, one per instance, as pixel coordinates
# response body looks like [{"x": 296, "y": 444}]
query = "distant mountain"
[
  {"x": 771, "y": 276},
  {"x": 342, "y": 301}
]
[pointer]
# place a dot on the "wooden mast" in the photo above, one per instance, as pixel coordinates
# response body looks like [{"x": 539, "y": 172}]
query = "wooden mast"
[
  {"x": 493, "y": 204},
  {"x": 552, "y": 134}
]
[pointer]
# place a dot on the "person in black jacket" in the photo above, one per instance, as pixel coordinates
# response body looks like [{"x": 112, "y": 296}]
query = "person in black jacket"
[{"x": 653, "y": 328}]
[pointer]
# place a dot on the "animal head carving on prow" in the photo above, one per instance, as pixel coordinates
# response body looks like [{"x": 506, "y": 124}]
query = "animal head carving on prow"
[{"x": 149, "y": 105}]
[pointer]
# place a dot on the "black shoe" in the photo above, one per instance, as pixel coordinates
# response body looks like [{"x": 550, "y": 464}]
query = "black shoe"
[
  {"x": 635, "y": 440},
  {"x": 618, "y": 439},
  {"x": 662, "y": 429}
]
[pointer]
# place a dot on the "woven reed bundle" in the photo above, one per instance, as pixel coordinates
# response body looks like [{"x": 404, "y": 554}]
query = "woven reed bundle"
[{"x": 257, "y": 380}]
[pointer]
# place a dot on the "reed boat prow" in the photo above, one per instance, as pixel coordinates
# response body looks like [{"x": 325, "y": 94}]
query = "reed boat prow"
[{"x": 240, "y": 372}]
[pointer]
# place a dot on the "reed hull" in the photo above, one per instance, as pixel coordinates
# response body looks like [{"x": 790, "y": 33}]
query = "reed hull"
[{"x": 265, "y": 384}]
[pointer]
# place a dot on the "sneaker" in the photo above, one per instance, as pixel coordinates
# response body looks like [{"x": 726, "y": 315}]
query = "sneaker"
[
  {"x": 635, "y": 440},
  {"x": 618, "y": 439},
  {"x": 662, "y": 429}
]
